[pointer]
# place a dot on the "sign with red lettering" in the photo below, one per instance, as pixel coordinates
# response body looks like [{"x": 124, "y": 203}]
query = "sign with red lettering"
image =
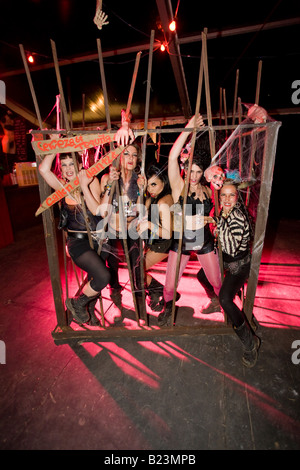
[
  {"x": 72, "y": 185},
  {"x": 76, "y": 143}
]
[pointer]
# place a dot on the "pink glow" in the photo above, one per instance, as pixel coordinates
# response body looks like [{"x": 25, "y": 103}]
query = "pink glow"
[
  {"x": 131, "y": 366},
  {"x": 174, "y": 352},
  {"x": 154, "y": 348}
]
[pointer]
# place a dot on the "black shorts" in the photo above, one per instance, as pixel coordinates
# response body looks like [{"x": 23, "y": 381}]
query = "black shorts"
[{"x": 78, "y": 246}]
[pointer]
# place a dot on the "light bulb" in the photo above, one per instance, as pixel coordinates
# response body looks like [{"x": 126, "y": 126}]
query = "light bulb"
[{"x": 172, "y": 25}]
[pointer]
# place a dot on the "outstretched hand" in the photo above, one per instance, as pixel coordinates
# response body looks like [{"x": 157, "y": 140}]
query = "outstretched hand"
[
  {"x": 124, "y": 135},
  {"x": 100, "y": 19},
  {"x": 196, "y": 121}
]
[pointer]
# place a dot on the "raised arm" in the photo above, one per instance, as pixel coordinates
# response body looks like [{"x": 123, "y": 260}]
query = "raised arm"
[
  {"x": 45, "y": 169},
  {"x": 176, "y": 180}
]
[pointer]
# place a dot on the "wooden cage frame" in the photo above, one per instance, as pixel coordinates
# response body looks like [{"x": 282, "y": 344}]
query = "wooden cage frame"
[{"x": 63, "y": 333}]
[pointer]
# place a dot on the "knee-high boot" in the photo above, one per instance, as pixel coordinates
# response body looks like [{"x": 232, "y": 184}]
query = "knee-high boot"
[{"x": 250, "y": 342}]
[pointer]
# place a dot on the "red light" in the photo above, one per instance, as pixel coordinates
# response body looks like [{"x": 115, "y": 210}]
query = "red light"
[
  {"x": 162, "y": 48},
  {"x": 30, "y": 59},
  {"x": 172, "y": 25}
]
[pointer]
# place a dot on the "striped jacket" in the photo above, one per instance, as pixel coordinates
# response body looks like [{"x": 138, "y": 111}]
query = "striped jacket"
[{"x": 234, "y": 233}]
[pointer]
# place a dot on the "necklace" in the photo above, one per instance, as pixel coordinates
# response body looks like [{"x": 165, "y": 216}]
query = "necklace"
[
  {"x": 198, "y": 194},
  {"x": 225, "y": 215}
]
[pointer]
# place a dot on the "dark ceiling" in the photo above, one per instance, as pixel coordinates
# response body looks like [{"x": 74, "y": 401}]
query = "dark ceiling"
[{"x": 240, "y": 34}]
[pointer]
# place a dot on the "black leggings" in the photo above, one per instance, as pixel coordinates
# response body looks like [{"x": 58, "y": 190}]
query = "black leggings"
[
  {"x": 88, "y": 260},
  {"x": 134, "y": 256},
  {"x": 97, "y": 272},
  {"x": 230, "y": 287}
]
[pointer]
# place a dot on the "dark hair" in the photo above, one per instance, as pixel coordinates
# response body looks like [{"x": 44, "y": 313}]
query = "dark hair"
[
  {"x": 162, "y": 175},
  {"x": 64, "y": 156},
  {"x": 200, "y": 158}
]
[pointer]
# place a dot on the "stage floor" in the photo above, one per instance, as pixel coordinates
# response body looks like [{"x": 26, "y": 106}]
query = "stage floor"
[{"x": 187, "y": 392}]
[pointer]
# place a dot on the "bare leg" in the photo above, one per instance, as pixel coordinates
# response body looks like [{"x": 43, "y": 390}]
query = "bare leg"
[{"x": 152, "y": 258}]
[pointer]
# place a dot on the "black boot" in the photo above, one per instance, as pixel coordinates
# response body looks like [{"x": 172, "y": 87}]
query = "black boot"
[
  {"x": 213, "y": 306},
  {"x": 155, "y": 293},
  {"x": 77, "y": 306},
  {"x": 165, "y": 317},
  {"x": 94, "y": 320},
  {"x": 251, "y": 344}
]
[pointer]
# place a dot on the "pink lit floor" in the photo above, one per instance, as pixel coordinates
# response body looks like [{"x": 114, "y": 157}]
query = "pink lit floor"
[
  {"x": 277, "y": 300},
  {"x": 186, "y": 393}
]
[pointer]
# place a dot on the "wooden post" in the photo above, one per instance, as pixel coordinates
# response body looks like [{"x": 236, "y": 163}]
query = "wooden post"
[
  {"x": 186, "y": 187},
  {"x": 258, "y": 82},
  {"x": 211, "y": 133},
  {"x": 235, "y": 96},
  {"x": 83, "y": 110},
  {"x": 115, "y": 187},
  {"x": 262, "y": 213},
  {"x": 48, "y": 222},
  {"x": 225, "y": 107},
  {"x": 220, "y": 106},
  {"x": 254, "y": 134},
  {"x": 141, "y": 197}
]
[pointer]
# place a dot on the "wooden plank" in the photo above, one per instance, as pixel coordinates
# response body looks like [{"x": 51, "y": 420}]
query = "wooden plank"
[
  {"x": 75, "y": 143},
  {"x": 149, "y": 334}
]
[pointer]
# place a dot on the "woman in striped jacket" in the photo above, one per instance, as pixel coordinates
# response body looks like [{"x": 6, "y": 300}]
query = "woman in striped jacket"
[{"x": 234, "y": 232}]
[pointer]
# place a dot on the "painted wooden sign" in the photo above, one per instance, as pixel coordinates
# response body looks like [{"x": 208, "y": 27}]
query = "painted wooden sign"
[
  {"x": 76, "y": 143},
  {"x": 100, "y": 165}
]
